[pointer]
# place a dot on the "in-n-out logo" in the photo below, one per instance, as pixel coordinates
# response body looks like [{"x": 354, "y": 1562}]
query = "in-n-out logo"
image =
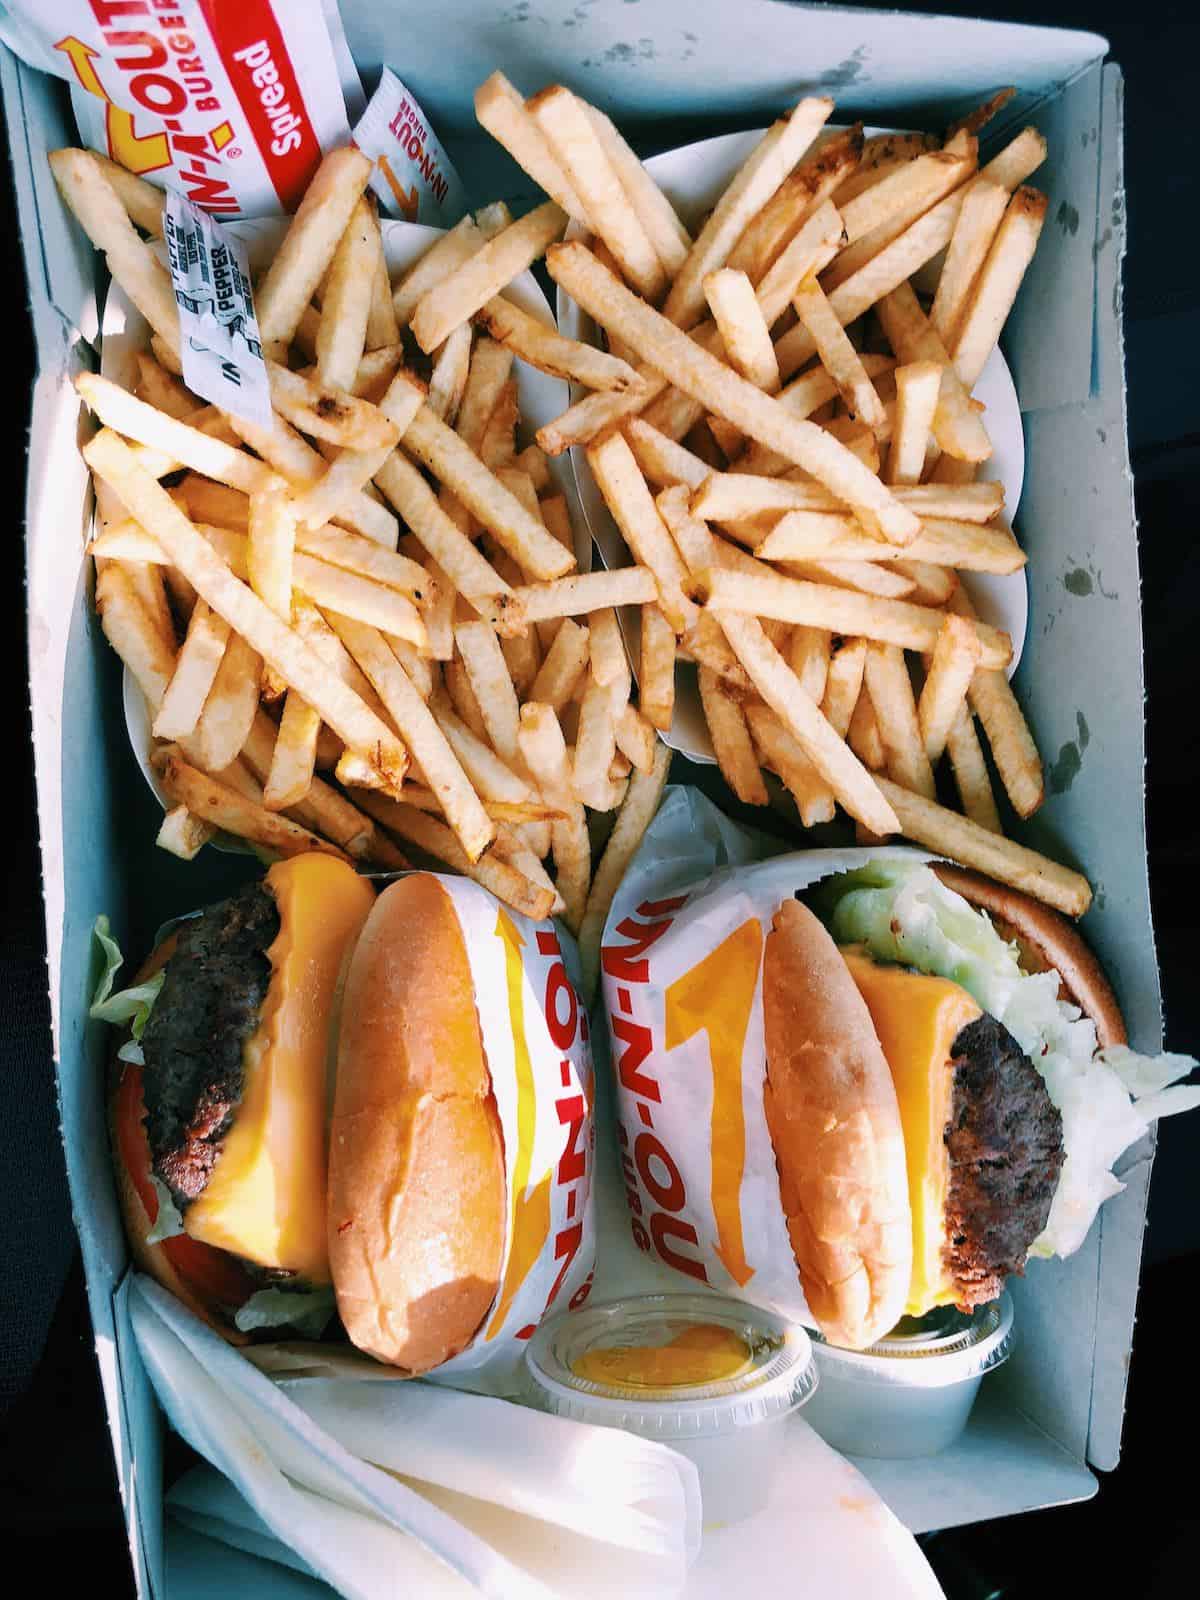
[{"x": 655, "y": 1190}]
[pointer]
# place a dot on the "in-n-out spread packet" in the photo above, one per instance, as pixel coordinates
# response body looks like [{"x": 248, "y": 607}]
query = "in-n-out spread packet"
[
  {"x": 535, "y": 1038},
  {"x": 230, "y": 102},
  {"x": 413, "y": 177}
]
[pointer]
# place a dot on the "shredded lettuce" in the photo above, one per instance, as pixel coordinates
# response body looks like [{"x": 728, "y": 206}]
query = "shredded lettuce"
[
  {"x": 132, "y": 1005},
  {"x": 167, "y": 1222},
  {"x": 306, "y": 1310},
  {"x": 1107, "y": 1099}
]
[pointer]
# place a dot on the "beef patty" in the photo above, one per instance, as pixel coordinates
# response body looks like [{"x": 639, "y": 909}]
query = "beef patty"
[
  {"x": 209, "y": 1005},
  {"x": 1004, "y": 1140}
]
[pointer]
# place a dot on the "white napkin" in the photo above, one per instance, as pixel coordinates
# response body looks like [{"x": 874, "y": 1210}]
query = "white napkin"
[{"x": 494, "y": 1499}]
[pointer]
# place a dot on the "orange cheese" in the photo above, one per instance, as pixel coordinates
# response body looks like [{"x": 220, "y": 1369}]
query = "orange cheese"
[
  {"x": 918, "y": 1019},
  {"x": 265, "y": 1199},
  {"x": 703, "y": 1353}
]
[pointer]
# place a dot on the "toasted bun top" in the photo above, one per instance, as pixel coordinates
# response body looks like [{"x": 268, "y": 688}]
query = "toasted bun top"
[
  {"x": 835, "y": 1123},
  {"x": 417, "y": 1193},
  {"x": 1048, "y": 940}
]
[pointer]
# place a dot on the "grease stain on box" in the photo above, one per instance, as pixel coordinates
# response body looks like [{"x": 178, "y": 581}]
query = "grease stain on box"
[
  {"x": 1068, "y": 763},
  {"x": 1067, "y": 218},
  {"x": 846, "y": 72}
]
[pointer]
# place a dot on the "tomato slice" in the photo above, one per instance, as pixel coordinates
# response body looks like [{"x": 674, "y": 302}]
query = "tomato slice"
[{"x": 214, "y": 1275}]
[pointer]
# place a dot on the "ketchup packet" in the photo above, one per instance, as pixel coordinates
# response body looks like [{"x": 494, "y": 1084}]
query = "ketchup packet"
[{"x": 229, "y": 102}]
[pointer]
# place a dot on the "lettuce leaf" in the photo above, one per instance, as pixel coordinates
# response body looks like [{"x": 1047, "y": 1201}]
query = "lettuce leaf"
[
  {"x": 306, "y": 1310},
  {"x": 168, "y": 1222},
  {"x": 903, "y": 912},
  {"x": 132, "y": 1005}
]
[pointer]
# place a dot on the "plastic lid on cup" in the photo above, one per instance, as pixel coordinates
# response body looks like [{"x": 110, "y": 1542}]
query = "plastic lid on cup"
[
  {"x": 777, "y": 1376},
  {"x": 944, "y": 1347}
]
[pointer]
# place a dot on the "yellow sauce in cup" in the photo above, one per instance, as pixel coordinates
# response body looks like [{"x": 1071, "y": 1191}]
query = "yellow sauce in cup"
[{"x": 704, "y": 1353}]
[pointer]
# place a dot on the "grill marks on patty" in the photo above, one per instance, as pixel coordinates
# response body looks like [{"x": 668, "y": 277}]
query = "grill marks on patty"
[
  {"x": 216, "y": 982},
  {"x": 1004, "y": 1141}
]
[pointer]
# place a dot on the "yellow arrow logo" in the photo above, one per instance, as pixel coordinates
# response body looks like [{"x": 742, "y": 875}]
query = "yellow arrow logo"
[
  {"x": 716, "y": 998},
  {"x": 530, "y": 1225},
  {"x": 81, "y": 56}
]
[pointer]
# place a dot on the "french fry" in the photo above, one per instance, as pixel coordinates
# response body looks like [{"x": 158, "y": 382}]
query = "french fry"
[
  {"x": 743, "y": 329},
  {"x": 546, "y": 349},
  {"x": 944, "y": 173},
  {"x": 488, "y": 671},
  {"x": 470, "y": 286},
  {"x": 462, "y": 697},
  {"x": 308, "y": 247},
  {"x": 627, "y": 497},
  {"x": 336, "y": 492},
  {"x": 578, "y": 152},
  {"x": 843, "y": 684},
  {"x": 501, "y": 109},
  {"x": 180, "y": 443},
  {"x": 917, "y": 388},
  {"x": 327, "y": 412},
  {"x": 731, "y": 741},
  {"x": 229, "y": 709},
  {"x": 532, "y": 462},
  {"x": 492, "y": 777},
  {"x": 270, "y": 549},
  {"x": 808, "y": 652},
  {"x": 416, "y": 663},
  {"x": 875, "y": 578},
  {"x": 143, "y": 201},
  {"x": 635, "y": 737},
  {"x": 785, "y": 756},
  {"x": 815, "y": 244},
  {"x": 571, "y": 597},
  {"x": 432, "y": 836},
  {"x": 964, "y": 841},
  {"x": 430, "y": 748},
  {"x": 950, "y": 471},
  {"x": 1008, "y": 735},
  {"x": 448, "y": 379},
  {"x": 595, "y": 745},
  {"x": 610, "y": 664},
  {"x": 881, "y": 154},
  {"x": 636, "y": 814},
  {"x": 346, "y": 299},
  {"x": 654, "y": 211},
  {"x": 996, "y": 287},
  {"x": 215, "y": 802},
  {"x": 656, "y": 677},
  {"x": 544, "y": 752},
  {"x": 134, "y": 633},
  {"x": 796, "y": 201},
  {"x": 88, "y": 192},
  {"x": 951, "y": 668},
  {"x": 563, "y": 666},
  {"x": 661, "y": 460},
  {"x": 722, "y": 391},
  {"x": 498, "y": 445},
  {"x": 708, "y": 647},
  {"x": 183, "y": 834},
  {"x": 970, "y": 772},
  {"x": 891, "y": 694},
  {"x": 982, "y": 209},
  {"x": 907, "y": 191},
  {"x": 110, "y": 459},
  {"x": 438, "y": 263},
  {"x": 376, "y": 370},
  {"x": 727, "y": 496},
  {"x": 455, "y": 464},
  {"x": 837, "y": 355},
  {"x": 821, "y": 536},
  {"x": 205, "y": 501},
  {"x": 454, "y": 553},
  {"x": 931, "y": 585},
  {"x": 294, "y": 760},
  {"x": 863, "y": 734},
  {"x": 767, "y": 166},
  {"x": 840, "y": 610},
  {"x": 383, "y": 331},
  {"x": 572, "y": 865},
  {"x": 163, "y": 390},
  {"x": 777, "y": 685},
  {"x": 512, "y": 848},
  {"x": 196, "y": 667}
]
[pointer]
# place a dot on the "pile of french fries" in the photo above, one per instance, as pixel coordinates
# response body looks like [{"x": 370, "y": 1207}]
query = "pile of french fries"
[{"x": 361, "y": 628}]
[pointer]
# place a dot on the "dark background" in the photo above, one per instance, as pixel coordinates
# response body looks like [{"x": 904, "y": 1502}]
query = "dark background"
[{"x": 59, "y": 1514}]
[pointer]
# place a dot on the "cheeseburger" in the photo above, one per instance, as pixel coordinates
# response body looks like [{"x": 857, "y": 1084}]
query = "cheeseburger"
[
  {"x": 218, "y": 1106},
  {"x": 947, "y": 1086}
]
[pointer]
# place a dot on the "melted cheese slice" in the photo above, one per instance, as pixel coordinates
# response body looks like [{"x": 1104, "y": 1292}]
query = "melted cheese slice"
[
  {"x": 918, "y": 1019},
  {"x": 265, "y": 1199}
]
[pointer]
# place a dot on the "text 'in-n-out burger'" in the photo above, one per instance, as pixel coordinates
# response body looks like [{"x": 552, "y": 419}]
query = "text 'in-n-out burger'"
[{"x": 231, "y": 105}]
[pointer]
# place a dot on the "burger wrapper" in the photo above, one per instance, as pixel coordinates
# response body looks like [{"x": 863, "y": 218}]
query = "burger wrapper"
[
  {"x": 682, "y": 985},
  {"x": 535, "y": 1038},
  {"x": 231, "y": 105}
]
